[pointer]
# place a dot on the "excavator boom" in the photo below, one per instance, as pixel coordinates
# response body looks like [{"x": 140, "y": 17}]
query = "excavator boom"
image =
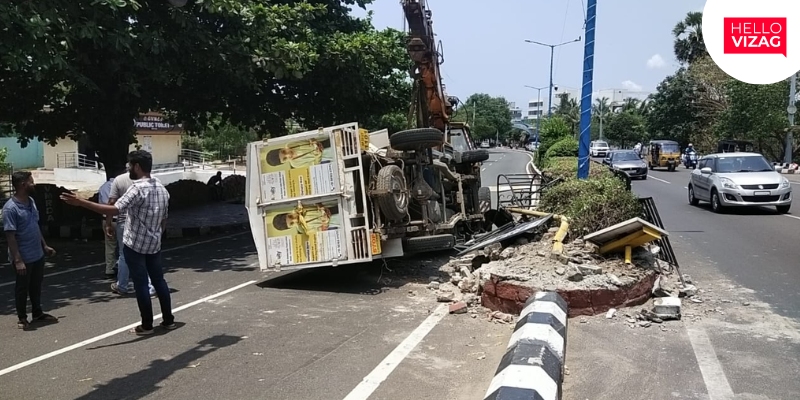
[{"x": 433, "y": 106}]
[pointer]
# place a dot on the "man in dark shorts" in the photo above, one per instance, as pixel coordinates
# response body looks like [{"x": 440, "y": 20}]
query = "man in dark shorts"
[{"x": 26, "y": 248}]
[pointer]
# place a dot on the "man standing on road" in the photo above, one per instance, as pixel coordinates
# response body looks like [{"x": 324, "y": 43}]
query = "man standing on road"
[
  {"x": 146, "y": 206},
  {"x": 26, "y": 248},
  {"x": 120, "y": 186},
  {"x": 109, "y": 225}
]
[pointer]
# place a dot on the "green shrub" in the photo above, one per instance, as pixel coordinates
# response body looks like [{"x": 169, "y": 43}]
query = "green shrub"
[
  {"x": 591, "y": 204},
  {"x": 567, "y": 168},
  {"x": 567, "y": 147}
]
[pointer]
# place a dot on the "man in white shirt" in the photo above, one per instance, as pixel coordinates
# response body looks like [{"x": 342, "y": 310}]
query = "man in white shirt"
[
  {"x": 109, "y": 224},
  {"x": 120, "y": 186}
]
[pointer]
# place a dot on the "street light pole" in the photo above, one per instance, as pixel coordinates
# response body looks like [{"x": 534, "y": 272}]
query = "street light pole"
[
  {"x": 586, "y": 94},
  {"x": 552, "y": 52},
  {"x": 538, "y": 100},
  {"x": 791, "y": 110}
]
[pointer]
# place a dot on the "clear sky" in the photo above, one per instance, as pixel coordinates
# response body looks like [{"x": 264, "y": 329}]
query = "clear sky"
[{"x": 485, "y": 49}]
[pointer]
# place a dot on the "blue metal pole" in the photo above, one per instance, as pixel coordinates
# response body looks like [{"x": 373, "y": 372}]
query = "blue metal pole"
[
  {"x": 586, "y": 94},
  {"x": 550, "y": 93}
]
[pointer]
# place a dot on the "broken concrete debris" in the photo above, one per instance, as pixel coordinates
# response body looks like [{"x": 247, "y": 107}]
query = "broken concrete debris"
[
  {"x": 667, "y": 308},
  {"x": 459, "y": 307},
  {"x": 687, "y": 291}
]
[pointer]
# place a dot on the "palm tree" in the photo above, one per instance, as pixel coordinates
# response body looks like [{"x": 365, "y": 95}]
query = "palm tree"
[
  {"x": 569, "y": 109},
  {"x": 689, "y": 45},
  {"x": 601, "y": 107},
  {"x": 631, "y": 104}
]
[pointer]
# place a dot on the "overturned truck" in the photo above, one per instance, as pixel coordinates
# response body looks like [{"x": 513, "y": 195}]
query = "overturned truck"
[{"x": 341, "y": 195}]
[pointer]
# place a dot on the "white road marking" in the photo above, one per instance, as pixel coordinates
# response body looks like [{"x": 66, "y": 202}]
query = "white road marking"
[
  {"x": 792, "y": 216},
  {"x": 714, "y": 377},
  {"x": 483, "y": 169},
  {"x": 659, "y": 179},
  {"x": 67, "y": 271},
  {"x": 382, "y": 371},
  {"x": 117, "y": 331}
]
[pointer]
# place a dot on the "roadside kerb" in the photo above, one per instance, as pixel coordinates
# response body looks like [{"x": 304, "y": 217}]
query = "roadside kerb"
[{"x": 533, "y": 366}]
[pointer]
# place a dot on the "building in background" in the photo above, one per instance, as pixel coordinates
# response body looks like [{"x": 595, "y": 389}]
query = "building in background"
[
  {"x": 537, "y": 108},
  {"x": 516, "y": 112},
  {"x": 153, "y": 133}
]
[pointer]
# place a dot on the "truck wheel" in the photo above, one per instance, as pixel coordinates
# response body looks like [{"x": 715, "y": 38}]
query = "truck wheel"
[
  {"x": 484, "y": 199},
  {"x": 392, "y": 196},
  {"x": 414, "y": 139},
  {"x": 474, "y": 156},
  {"x": 424, "y": 244}
]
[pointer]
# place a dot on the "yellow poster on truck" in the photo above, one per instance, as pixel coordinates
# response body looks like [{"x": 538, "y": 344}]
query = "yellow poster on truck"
[
  {"x": 304, "y": 233},
  {"x": 304, "y": 167}
]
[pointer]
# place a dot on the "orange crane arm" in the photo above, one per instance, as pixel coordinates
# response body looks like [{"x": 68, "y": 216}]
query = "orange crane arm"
[{"x": 433, "y": 106}]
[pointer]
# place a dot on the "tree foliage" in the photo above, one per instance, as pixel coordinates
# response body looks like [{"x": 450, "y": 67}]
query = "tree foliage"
[
  {"x": 492, "y": 116},
  {"x": 72, "y": 69},
  {"x": 625, "y": 127},
  {"x": 553, "y": 130},
  {"x": 701, "y": 104}
]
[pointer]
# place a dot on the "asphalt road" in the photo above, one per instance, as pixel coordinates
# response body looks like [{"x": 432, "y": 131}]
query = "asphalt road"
[
  {"x": 503, "y": 162},
  {"x": 372, "y": 331},
  {"x": 741, "y": 341}
]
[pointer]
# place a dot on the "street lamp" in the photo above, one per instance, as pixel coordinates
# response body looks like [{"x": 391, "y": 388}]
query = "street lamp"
[
  {"x": 539, "y": 115},
  {"x": 552, "y": 50}
]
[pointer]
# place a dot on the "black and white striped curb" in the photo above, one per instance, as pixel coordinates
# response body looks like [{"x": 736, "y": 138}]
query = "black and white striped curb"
[{"x": 533, "y": 366}]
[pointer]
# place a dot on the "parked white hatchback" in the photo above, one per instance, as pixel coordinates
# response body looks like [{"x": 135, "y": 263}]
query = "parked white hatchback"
[{"x": 739, "y": 180}]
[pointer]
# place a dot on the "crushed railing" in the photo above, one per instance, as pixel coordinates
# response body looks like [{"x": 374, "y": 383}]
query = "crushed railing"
[{"x": 650, "y": 214}]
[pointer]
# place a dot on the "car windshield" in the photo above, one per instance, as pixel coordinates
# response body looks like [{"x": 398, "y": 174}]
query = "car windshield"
[
  {"x": 600, "y": 144},
  {"x": 626, "y": 156},
  {"x": 743, "y": 164},
  {"x": 458, "y": 140},
  {"x": 670, "y": 148}
]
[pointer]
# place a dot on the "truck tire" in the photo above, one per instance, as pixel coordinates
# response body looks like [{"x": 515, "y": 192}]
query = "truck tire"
[
  {"x": 474, "y": 156},
  {"x": 415, "y": 139},
  {"x": 424, "y": 244},
  {"x": 394, "y": 206},
  {"x": 484, "y": 199}
]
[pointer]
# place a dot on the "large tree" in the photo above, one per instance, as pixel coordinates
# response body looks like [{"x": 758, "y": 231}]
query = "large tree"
[
  {"x": 87, "y": 69},
  {"x": 672, "y": 114},
  {"x": 492, "y": 117},
  {"x": 625, "y": 128}
]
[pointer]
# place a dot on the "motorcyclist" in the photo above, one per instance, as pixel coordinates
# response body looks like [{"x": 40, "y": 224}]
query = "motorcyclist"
[{"x": 689, "y": 156}]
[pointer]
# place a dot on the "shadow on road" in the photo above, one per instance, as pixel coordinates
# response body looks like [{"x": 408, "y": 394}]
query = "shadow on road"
[
  {"x": 90, "y": 286},
  {"x": 145, "y": 382}
]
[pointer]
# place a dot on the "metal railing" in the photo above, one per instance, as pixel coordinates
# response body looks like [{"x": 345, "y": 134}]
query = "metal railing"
[
  {"x": 193, "y": 158},
  {"x": 73, "y": 159}
]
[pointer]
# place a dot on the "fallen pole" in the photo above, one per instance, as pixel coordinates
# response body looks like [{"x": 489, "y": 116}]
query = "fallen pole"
[{"x": 561, "y": 234}]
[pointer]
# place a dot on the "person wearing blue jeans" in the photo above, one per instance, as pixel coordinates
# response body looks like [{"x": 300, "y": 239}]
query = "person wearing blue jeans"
[
  {"x": 146, "y": 205},
  {"x": 119, "y": 187}
]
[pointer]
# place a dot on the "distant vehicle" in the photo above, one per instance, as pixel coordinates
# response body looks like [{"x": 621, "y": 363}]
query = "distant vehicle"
[
  {"x": 599, "y": 148},
  {"x": 485, "y": 144},
  {"x": 739, "y": 180},
  {"x": 628, "y": 162}
]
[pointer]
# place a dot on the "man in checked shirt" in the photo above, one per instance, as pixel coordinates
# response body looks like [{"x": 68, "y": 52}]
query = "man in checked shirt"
[{"x": 146, "y": 204}]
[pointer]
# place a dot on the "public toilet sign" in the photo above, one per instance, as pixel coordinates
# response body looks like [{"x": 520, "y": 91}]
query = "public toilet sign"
[{"x": 153, "y": 122}]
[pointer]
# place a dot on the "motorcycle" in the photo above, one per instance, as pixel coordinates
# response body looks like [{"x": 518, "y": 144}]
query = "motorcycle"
[{"x": 690, "y": 160}]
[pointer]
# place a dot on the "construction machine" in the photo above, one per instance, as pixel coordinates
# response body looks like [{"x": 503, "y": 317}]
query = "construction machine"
[{"x": 342, "y": 195}]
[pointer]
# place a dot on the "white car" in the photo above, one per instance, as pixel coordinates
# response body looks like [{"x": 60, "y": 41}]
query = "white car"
[
  {"x": 739, "y": 180},
  {"x": 598, "y": 148}
]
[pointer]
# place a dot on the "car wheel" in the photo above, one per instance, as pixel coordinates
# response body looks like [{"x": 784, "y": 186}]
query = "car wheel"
[
  {"x": 692, "y": 199},
  {"x": 716, "y": 206},
  {"x": 644, "y": 177},
  {"x": 783, "y": 209}
]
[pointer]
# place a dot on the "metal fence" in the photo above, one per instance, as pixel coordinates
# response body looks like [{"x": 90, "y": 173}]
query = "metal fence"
[{"x": 73, "y": 159}]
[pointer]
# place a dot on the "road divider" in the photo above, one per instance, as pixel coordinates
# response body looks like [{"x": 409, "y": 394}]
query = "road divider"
[{"x": 533, "y": 366}]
